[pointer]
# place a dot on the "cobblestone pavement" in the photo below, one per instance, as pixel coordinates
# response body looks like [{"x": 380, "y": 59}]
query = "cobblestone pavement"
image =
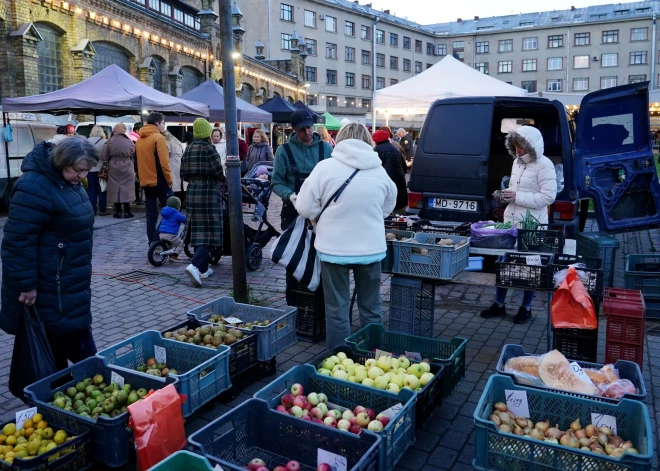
[{"x": 446, "y": 441}]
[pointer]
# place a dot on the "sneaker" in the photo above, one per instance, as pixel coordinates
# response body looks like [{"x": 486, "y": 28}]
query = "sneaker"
[
  {"x": 208, "y": 273},
  {"x": 493, "y": 311},
  {"x": 523, "y": 315},
  {"x": 194, "y": 275}
]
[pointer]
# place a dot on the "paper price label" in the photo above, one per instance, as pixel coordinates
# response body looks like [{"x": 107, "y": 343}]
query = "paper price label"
[
  {"x": 414, "y": 356},
  {"x": 160, "y": 354},
  {"x": 336, "y": 462},
  {"x": 577, "y": 369},
  {"x": 533, "y": 260},
  {"x": 23, "y": 415},
  {"x": 233, "y": 320},
  {"x": 516, "y": 402},
  {"x": 393, "y": 411},
  {"x": 381, "y": 353},
  {"x": 118, "y": 379},
  {"x": 602, "y": 420}
]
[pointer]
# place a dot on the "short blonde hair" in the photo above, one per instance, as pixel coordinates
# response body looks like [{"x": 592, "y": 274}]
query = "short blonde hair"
[
  {"x": 354, "y": 131},
  {"x": 323, "y": 131},
  {"x": 261, "y": 134},
  {"x": 97, "y": 131}
]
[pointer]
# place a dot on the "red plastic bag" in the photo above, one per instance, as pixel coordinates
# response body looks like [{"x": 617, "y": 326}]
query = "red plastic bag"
[
  {"x": 572, "y": 307},
  {"x": 157, "y": 424}
]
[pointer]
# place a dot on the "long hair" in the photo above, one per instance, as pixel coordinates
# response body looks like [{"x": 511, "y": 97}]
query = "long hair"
[
  {"x": 323, "y": 131},
  {"x": 97, "y": 131},
  {"x": 262, "y": 134},
  {"x": 354, "y": 131}
]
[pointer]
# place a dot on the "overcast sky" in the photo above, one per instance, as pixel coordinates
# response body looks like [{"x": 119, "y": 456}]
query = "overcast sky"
[{"x": 441, "y": 11}]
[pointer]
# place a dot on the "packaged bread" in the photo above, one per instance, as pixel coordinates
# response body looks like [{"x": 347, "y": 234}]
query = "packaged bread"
[
  {"x": 606, "y": 375},
  {"x": 556, "y": 372},
  {"x": 526, "y": 364}
]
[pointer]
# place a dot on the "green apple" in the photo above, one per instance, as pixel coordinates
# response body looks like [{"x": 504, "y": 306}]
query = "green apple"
[
  {"x": 338, "y": 367},
  {"x": 384, "y": 363},
  {"x": 411, "y": 381},
  {"x": 425, "y": 379},
  {"x": 404, "y": 362},
  {"x": 370, "y": 363},
  {"x": 323, "y": 407},
  {"x": 416, "y": 369},
  {"x": 393, "y": 388},
  {"x": 426, "y": 366},
  {"x": 360, "y": 375},
  {"x": 352, "y": 379},
  {"x": 381, "y": 382},
  {"x": 336, "y": 359},
  {"x": 368, "y": 382},
  {"x": 402, "y": 371},
  {"x": 325, "y": 372},
  {"x": 398, "y": 380},
  {"x": 347, "y": 362},
  {"x": 342, "y": 356},
  {"x": 328, "y": 364},
  {"x": 390, "y": 375},
  {"x": 374, "y": 372},
  {"x": 350, "y": 370},
  {"x": 394, "y": 364},
  {"x": 360, "y": 367},
  {"x": 341, "y": 374}
]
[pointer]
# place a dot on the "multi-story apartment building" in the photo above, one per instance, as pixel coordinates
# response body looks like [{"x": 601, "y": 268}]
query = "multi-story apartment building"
[{"x": 577, "y": 50}]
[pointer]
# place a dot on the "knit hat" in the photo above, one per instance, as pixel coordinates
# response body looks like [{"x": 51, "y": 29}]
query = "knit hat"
[
  {"x": 120, "y": 128},
  {"x": 70, "y": 129},
  {"x": 202, "y": 129},
  {"x": 174, "y": 202},
  {"x": 261, "y": 170},
  {"x": 381, "y": 136}
]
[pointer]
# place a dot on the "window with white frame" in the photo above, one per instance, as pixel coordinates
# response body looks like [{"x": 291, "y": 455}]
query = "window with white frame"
[
  {"x": 639, "y": 34},
  {"x": 529, "y": 65},
  {"x": 554, "y": 85},
  {"x": 580, "y": 62},
  {"x": 366, "y": 57},
  {"x": 530, "y": 44},
  {"x": 380, "y": 36},
  {"x": 555, "y": 63},
  {"x": 441, "y": 50},
  {"x": 394, "y": 40},
  {"x": 418, "y": 67},
  {"x": 406, "y": 65},
  {"x": 582, "y": 39},
  {"x": 506, "y": 45},
  {"x": 366, "y": 82},
  {"x": 406, "y": 43},
  {"x": 286, "y": 12},
  {"x": 504, "y": 67},
  {"x": 580, "y": 84},
  {"x": 365, "y": 32},
  {"x": 458, "y": 45},
  {"x": 310, "y": 19},
  {"x": 609, "y": 60},
  {"x": 638, "y": 57},
  {"x": 380, "y": 60},
  {"x": 482, "y": 67},
  {"x": 482, "y": 47},
  {"x": 380, "y": 83},
  {"x": 350, "y": 79},
  {"x": 310, "y": 74},
  {"x": 331, "y": 24},
  {"x": 608, "y": 82}
]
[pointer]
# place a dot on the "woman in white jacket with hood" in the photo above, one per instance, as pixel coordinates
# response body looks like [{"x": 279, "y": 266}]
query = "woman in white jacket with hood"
[
  {"x": 351, "y": 232},
  {"x": 533, "y": 187}
]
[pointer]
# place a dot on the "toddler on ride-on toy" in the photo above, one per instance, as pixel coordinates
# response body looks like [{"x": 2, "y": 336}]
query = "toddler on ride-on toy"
[{"x": 170, "y": 240}]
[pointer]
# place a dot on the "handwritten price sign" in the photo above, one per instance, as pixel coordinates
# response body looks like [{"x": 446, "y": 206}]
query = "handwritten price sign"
[
  {"x": 233, "y": 320},
  {"x": 416, "y": 356},
  {"x": 22, "y": 416},
  {"x": 336, "y": 462},
  {"x": 382, "y": 353},
  {"x": 516, "y": 402},
  {"x": 117, "y": 379},
  {"x": 534, "y": 260},
  {"x": 602, "y": 420},
  {"x": 160, "y": 354}
]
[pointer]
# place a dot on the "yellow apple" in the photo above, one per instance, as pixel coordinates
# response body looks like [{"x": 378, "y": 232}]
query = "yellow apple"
[
  {"x": 342, "y": 356},
  {"x": 370, "y": 363},
  {"x": 411, "y": 381},
  {"x": 426, "y": 366},
  {"x": 360, "y": 375},
  {"x": 368, "y": 382},
  {"x": 403, "y": 362},
  {"x": 381, "y": 382},
  {"x": 384, "y": 363},
  {"x": 425, "y": 379},
  {"x": 393, "y": 388},
  {"x": 374, "y": 372},
  {"x": 398, "y": 380}
]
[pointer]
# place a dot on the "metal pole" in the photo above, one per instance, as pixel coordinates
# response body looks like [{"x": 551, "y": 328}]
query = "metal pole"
[
  {"x": 233, "y": 162},
  {"x": 373, "y": 75},
  {"x": 653, "y": 52},
  {"x": 5, "y": 123}
]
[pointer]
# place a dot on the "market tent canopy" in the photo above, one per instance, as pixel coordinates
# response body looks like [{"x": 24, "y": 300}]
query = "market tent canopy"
[
  {"x": 316, "y": 118},
  {"x": 213, "y": 95},
  {"x": 112, "y": 91},
  {"x": 332, "y": 123},
  {"x": 279, "y": 108},
  {"x": 446, "y": 79}
]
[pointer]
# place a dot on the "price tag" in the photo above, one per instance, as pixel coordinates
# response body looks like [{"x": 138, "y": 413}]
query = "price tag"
[
  {"x": 218, "y": 468},
  {"x": 117, "y": 379},
  {"x": 602, "y": 420},
  {"x": 414, "y": 356},
  {"x": 233, "y": 320},
  {"x": 23, "y": 415},
  {"x": 533, "y": 260},
  {"x": 582, "y": 376},
  {"x": 393, "y": 411},
  {"x": 160, "y": 354},
  {"x": 516, "y": 402},
  {"x": 381, "y": 353},
  {"x": 336, "y": 462}
]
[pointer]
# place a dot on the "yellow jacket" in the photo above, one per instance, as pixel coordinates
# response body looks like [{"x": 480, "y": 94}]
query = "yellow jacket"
[{"x": 152, "y": 153}]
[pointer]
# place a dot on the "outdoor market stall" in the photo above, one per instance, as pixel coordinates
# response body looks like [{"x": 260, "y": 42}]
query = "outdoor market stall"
[
  {"x": 316, "y": 118},
  {"x": 332, "y": 123}
]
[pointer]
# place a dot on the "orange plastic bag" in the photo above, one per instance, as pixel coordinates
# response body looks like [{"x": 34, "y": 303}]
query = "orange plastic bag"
[
  {"x": 572, "y": 307},
  {"x": 157, "y": 424}
]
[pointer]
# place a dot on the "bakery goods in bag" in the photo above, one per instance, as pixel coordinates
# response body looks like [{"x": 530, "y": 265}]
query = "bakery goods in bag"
[{"x": 556, "y": 372}]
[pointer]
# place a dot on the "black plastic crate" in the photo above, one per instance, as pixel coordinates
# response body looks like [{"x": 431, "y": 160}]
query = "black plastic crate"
[
  {"x": 593, "y": 279},
  {"x": 310, "y": 319},
  {"x": 412, "y": 306},
  {"x": 243, "y": 354},
  {"x": 576, "y": 344},
  {"x": 541, "y": 240},
  {"x": 261, "y": 370},
  {"x": 433, "y": 227},
  {"x": 512, "y": 271}
]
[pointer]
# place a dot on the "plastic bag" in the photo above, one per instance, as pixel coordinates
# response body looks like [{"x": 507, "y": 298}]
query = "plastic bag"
[
  {"x": 572, "y": 307},
  {"x": 157, "y": 424},
  {"x": 617, "y": 389},
  {"x": 33, "y": 358},
  {"x": 490, "y": 238}
]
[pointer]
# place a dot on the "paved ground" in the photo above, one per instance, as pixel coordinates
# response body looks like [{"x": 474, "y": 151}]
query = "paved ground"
[{"x": 161, "y": 299}]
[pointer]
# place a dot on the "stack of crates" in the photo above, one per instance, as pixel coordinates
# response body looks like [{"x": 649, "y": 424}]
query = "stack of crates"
[
  {"x": 599, "y": 245},
  {"x": 643, "y": 273},
  {"x": 625, "y": 311},
  {"x": 310, "y": 319}
]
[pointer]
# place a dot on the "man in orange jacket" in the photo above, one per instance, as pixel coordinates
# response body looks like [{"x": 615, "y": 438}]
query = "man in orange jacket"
[{"x": 153, "y": 162}]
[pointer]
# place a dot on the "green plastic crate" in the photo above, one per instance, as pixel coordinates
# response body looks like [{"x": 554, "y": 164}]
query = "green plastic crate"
[
  {"x": 183, "y": 460},
  {"x": 450, "y": 354}
]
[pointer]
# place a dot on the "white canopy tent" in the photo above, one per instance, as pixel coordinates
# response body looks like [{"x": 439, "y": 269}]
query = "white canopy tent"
[{"x": 446, "y": 79}]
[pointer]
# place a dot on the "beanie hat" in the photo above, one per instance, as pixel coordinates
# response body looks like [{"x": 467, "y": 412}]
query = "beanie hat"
[
  {"x": 120, "y": 128},
  {"x": 174, "y": 202},
  {"x": 381, "y": 136},
  {"x": 202, "y": 129},
  {"x": 70, "y": 128},
  {"x": 261, "y": 170}
]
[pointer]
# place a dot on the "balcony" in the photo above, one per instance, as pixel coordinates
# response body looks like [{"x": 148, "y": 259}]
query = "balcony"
[{"x": 347, "y": 110}]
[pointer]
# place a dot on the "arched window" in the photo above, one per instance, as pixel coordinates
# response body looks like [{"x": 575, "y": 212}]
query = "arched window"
[
  {"x": 191, "y": 78},
  {"x": 108, "y": 54},
  {"x": 160, "y": 74},
  {"x": 50, "y": 59},
  {"x": 276, "y": 94},
  {"x": 290, "y": 100},
  {"x": 246, "y": 93}
]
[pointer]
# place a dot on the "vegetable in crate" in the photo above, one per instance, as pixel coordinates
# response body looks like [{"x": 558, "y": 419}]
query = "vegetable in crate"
[
  {"x": 206, "y": 336},
  {"x": 599, "y": 440},
  {"x": 152, "y": 367},
  {"x": 35, "y": 438}
]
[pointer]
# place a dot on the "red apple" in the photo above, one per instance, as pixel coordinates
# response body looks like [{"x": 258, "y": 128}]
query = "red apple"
[
  {"x": 316, "y": 412},
  {"x": 370, "y": 413},
  {"x": 356, "y": 429},
  {"x": 287, "y": 400},
  {"x": 279, "y": 468},
  {"x": 324, "y": 467},
  {"x": 281, "y": 409},
  {"x": 358, "y": 409},
  {"x": 330, "y": 422},
  {"x": 308, "y": 406},
  {"x": 362, "y": 419},
  {"x": 317, "y": 421},
  {"x": 297, "y": 389},
  {"x": 263, "y": 468},
  {"x": 307, "y": 418},
  {"x": 256, "y": 463},
  {"x": 383, "y": 419},
  {"x": 344, "y": 424},
  {"x": 352, "y": 421},
  {"x": 293, "y": 465},
  {"x": 299, "y": 401}
]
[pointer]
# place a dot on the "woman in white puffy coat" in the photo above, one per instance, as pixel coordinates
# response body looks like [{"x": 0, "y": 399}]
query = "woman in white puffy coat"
[{"x": 533, "y": 187}]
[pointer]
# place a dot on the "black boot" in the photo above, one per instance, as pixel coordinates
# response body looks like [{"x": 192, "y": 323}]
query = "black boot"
[
  {"x": 117, "y": 211},
  {"x": 495, "y": 310},
  {"x": 523, "y": 315},
  {"x": 127, "y": 211}
]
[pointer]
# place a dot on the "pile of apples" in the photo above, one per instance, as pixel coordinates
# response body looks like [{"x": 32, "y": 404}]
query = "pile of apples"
[
  {"x": 386, "y": 373},
  {"x": 314, "y": 408},
  {"x": 257, "y": 464}
]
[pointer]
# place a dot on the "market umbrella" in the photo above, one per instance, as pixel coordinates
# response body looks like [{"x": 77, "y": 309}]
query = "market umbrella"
[
  {"x": 316, "y": 118},
  {"x": 332, "y": 123},
  {"x": 279, "y": 108}
]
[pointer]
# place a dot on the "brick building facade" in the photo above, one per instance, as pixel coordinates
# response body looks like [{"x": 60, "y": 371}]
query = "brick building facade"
[{"x": 170, "y": 45}]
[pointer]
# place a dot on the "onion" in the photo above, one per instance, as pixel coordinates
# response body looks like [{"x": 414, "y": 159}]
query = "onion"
[
  {"x": 633, "y": 451},
  {"x": 616, "y": 441},
  {"x": 575, "y": 425},
  {"x": 536, "y": 434},
  {"x": 569, "y": 440},
  {"x": 551, "y": 440},
  {"x": 627, "y": 445},
  {"x": 543, "y": 426},
  {"x": 617, "y": 453},
  {"x": 517, "y": 430},
  {"x": 580, "y": 434},
  {"x": 585, "y": 448},
  {"x": 511, "y": 414},
  {"x": 500, "y": 406},
  {"x": 527, "y": 431},
  {"x": 602, "y": 439},
  {"x": 591, "y": 430},
  {"x": 596, "y": 446},
  {"x": 610, "y": 448},
  {"x": 605, "y": 430},
  {"x": 521, "y": 422},
  {"x": 505, "y": 419},
  {"x": 554, "y": 432},
  {"x": 598, "y": 451},
  {"x": 530, "y": 424},
  {"x": 504, "y": 428},
  {"x": 495, "y": 418},
  {"x": 585, "y": 441}
]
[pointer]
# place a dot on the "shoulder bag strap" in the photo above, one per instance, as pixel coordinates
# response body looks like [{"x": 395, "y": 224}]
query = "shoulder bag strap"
[
  {"x": 322, "y": 151},
  {"x": 294, "y": 165},
  {"x": 337, "y": 194}
]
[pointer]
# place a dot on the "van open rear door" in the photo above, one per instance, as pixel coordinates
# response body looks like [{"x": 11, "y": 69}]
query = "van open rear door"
[{"x": 614, "y": 162}]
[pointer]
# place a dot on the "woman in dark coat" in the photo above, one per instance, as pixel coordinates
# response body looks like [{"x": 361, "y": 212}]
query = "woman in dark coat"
[
  {"x": 119, "y": 152},
  {"x": 391, "y": 159},
  {"x": 47, "y": 247},
  {"x": 201, "y": 167}
]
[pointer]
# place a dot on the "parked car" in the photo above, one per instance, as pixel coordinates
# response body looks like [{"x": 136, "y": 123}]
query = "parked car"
[{"x": 606, "y": 152}]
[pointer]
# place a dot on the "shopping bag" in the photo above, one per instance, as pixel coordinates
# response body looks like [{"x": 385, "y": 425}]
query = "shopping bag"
[
  {"x": 32, "y": 358},
  {"x": 572, "y": 307},
  {"x": 294, "y": 249},
  {"x": 157, "y": 424}
]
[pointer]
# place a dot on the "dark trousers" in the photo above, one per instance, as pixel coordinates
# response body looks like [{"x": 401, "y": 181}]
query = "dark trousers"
[
  {"x": 95, "y": 193},
  {"x": 201, "y": 258},
  {"x": 73, "y": 346},
  {"x": 152, "y": 196}
]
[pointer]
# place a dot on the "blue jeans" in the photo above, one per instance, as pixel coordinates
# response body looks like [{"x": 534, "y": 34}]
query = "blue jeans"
[
  {"x": 528, "y": 297},
  {"x": 94, "y": 192}
]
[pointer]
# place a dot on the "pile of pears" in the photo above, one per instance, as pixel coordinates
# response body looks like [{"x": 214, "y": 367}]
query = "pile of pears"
[
  {"x": 35, "y": 438},
  {"x": 210, "y": 336}
]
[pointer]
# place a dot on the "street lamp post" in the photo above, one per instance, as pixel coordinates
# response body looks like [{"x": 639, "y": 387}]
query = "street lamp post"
[{"x": 373, "y": 74}]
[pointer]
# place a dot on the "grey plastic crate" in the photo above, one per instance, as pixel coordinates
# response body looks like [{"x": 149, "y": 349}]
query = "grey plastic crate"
[
  {"x": 438, "y": 263},
  {"x": 412, "y": 306},
  {"x": 599, "y": 245}
]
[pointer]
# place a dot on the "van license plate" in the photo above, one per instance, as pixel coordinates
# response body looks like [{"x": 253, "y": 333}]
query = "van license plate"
[{"x": 456, "y": 205}]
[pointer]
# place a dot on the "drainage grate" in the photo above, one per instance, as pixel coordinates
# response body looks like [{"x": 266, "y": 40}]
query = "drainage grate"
[{"x": 135, "y": 275}]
